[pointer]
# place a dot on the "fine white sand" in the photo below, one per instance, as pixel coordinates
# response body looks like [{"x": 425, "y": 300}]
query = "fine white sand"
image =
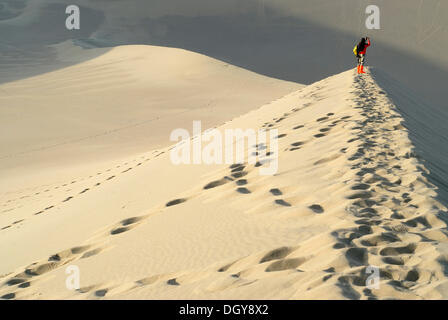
[
  {"x": 125, "y": 101},
  {"x": 349, "y": 193},
  {"x": 86, "y": 178}
]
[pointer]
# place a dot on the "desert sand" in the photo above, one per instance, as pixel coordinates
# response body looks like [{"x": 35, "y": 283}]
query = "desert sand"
[
  {"x": 350, "y": 193},
  {"x": 117, "y": 101},
  {"x": 87, "y": 180}
]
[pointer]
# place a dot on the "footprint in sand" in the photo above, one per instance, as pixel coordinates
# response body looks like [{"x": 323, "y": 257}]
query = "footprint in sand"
[
  {"x": 239, "y": 174},
  {"x": 34, "y": 270},
  {"x": 173, "y": 282},
  {"x": 175, "y": 202},
  {"x": 276, "y": 254},
  {"x": 334, "y": 123},
  {"x": 285, "y": 264},
  {"x": 282, "y": 202},
  {"x": 357, "y": 257},
  {"x": 42, "y": 211},
  {"x": 226, "y": 267},
  {"x": 101, "y": 293},
  {"x": 297, "y": 144},
  {"x": 241, "y": 182},
  {"x": 327, "y": 159},
  {"x": 132, "y": 220},
  {"x": 316, "y": 208},
  {"x": 67, "y": 199},
  {"x": 278, "y": 120},
  {"x": 215, "y": 183},
  {"x": 8, "y": 296},
  {"x": 126, "y": 225},
  {"x": 360, "y": 186},
  {"x": 243, "y": 190},
  {"x": 276, "y": 192},
  {"x": 395, "y": 251},
  {"x": 238, "y": 168},
  {"x": 91, "y": 253}
]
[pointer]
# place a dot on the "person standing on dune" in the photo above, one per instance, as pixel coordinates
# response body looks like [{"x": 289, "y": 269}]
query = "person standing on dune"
[{"x": 360, "y": 51}]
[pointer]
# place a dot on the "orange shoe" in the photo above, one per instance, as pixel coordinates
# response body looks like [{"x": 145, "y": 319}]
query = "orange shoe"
[
  {"x": 362, "y": 69},
  {"x": 358, "y": 68}
]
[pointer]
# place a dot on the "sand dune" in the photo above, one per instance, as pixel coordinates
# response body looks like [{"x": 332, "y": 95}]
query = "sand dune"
[
  {"x": 87, "y": 180},
  {"x": 125, "y": 101},
  {"x": 274, "y": 38},
  {"x": 350, "y": 193}
]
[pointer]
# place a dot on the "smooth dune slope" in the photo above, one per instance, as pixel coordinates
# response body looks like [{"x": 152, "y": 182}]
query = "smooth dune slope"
[
  {"x": 115, "y": 102},
  {"x": 349, "y": 193}
]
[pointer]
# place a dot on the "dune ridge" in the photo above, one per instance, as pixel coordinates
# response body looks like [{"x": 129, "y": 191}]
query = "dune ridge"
[
  {"x": 350, "y": 193},
  {"x": 115, "y": 102}
]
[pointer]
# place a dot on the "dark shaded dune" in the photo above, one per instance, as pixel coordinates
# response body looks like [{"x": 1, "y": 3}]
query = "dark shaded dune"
[
  {"x": 42, "y": 31},
  {"x": 11, "y": 8},
  {"x": 268, "y": 42},
  {"x": 21, "y": 44},
  {"x": 285, "y": 39}
]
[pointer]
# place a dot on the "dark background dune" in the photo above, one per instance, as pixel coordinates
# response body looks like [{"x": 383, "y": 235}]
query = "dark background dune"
[{"x": 300, "y": 40}]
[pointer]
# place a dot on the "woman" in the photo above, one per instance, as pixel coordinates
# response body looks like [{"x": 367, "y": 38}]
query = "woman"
[{"x": 361, "y": 49}]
